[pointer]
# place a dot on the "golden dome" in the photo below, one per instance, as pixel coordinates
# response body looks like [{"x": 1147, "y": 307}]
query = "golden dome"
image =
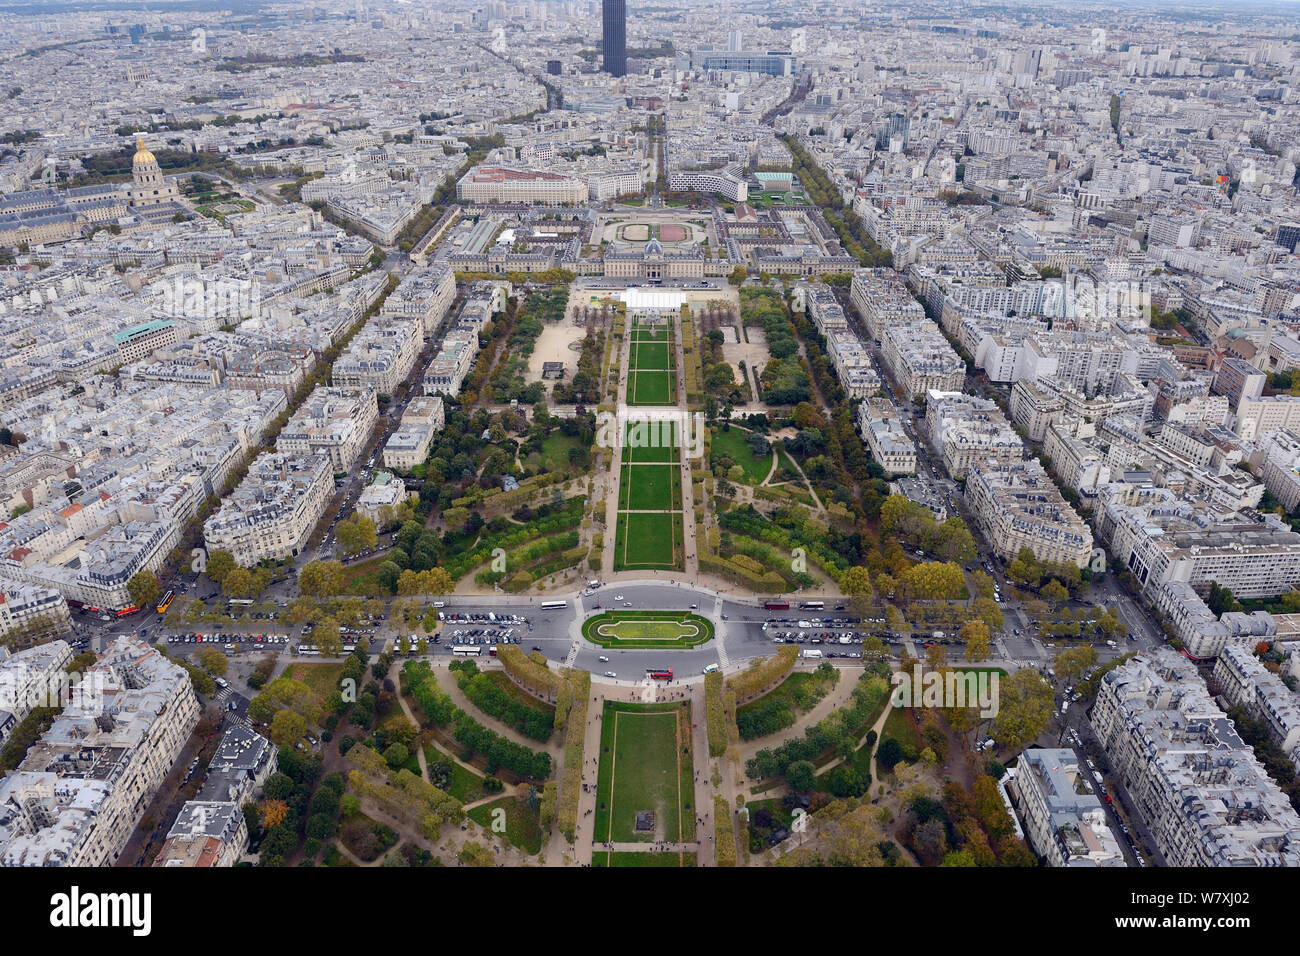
[{"x": 142, "y": 155}]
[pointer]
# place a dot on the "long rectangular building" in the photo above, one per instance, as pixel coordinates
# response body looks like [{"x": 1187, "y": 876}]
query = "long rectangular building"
[{"x": 1205, "y": 798}]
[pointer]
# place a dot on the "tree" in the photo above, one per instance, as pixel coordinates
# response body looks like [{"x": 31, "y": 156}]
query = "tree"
[
  {"x": 1025, "y": 709},
  {"x": 1054, "y": 593},
  {"x": 978, "y": 641},
  {"x": 738, "y": 275},
  {"x": 325, "y": 635},
  {"x": 856, "y": 580},
  {"x": 474, "y": 853},
  {"x": 396, "y": 755},
  {"x": 238, "y": 583},
  {"x": 801, "y": 776},
  {"x": 288, "y": 727},
  {"x": 988, "y": 611},
  {"x": 321, "y": 579},
  {"x": 220, "y": 563},
  {"x": 145, "y": 589},
  {"x": 212, "y": 661},
  {"x": 357, "y": 534}
]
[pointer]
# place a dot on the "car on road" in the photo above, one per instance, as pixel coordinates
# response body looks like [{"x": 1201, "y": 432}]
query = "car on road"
[
  {"x": 610, "y": 674},
  {"x": 627, "y": 603},
  {"x": 603, "y": 659}
]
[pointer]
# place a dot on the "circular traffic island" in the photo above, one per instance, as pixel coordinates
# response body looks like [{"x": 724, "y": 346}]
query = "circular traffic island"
[{"x": 626, "y": 630}]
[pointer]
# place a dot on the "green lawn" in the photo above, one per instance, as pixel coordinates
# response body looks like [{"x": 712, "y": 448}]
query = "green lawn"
[
  {"x": 514, "y": 691},
  {"x": 644, "y": 767},
  {"x": 735, "y": 445},
  {"x": 647, "y": 541},
  {"x": 323, "y": 679},
  {"x": 555, "y": 451},
  {"x": 523, "y": 829},
  {"x": 627, "y": 858},
  {"x": 647, "y": 629},
  {"x": 650, "y": 388},
  {"x": 651, "y": 356},
  {"x": 651, "y": 441},
  {"x": 466, "y": 786},
  {"x": 650, "y": 488}
]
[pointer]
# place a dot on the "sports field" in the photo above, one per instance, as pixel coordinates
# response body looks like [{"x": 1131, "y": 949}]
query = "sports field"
[
  {"x": 647, "y": 629},
  {"x": 645, "y": 766}
]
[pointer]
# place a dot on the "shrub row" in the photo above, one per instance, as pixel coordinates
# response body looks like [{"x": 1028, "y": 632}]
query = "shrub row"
[{"x": 764, "y": 674}]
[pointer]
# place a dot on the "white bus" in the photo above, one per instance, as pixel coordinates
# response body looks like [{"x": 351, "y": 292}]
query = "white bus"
[
  {"x": 554, "y": 605},
  {"x": 467, "y": 650}
]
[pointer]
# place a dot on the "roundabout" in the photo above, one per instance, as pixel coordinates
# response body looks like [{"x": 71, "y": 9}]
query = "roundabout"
[{"x": 625, "y": 630}]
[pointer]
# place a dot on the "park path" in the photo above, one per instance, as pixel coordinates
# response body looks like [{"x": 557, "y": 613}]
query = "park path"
[
  {"x": 690, "y": 545},
  {"x": 611, "y": 491},
  {"x": 837, "y": 697}
]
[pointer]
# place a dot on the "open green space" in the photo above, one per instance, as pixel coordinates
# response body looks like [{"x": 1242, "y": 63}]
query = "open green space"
[
  {"x": 625, "y": 858},
  {"x": 649, "y": 488},
  {"x": 645, "y": 767},
  {"x": 651, "y": 356},
  {"x": 650, "y": 388},
  {"x": 522, "y": 827},
  {"x": 647, "y": 541},
  {"x": 651, "y": 441},
  {"x": 647, "y": 629},
  {"x": 734, "y": 444},
  {"x": 463, "y": 784}
]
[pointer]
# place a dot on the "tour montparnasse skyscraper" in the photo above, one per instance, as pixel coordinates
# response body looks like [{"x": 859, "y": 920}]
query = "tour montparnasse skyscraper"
[{"x": 614, "y": 20}]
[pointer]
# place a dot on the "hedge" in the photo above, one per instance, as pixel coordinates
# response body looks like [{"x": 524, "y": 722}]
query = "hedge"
[
  {"x": 579, "y": 683},
  {"x": 724, "y": 833},
  {"x": 495, "y": 702},
  {"x": 715, "y": 714},
  {"x": 538, "y": 679},
  {"x": 764, "y": 674}
]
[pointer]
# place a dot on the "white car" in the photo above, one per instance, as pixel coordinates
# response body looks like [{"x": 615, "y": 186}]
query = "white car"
[
  {"x": 618, "y": 597},
  {"x": 603, "y": 659},
  {"x": 610, "y": 674}
]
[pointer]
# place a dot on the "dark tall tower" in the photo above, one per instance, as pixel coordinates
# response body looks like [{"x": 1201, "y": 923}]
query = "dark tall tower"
[{"x": 614, "y": 19}]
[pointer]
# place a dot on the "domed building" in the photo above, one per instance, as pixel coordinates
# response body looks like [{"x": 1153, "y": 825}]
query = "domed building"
[{"x": 148, "y": 187}]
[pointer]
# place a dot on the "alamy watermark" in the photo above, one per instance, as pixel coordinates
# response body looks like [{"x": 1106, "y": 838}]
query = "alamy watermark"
[
  {"x": 652, "y": 428},
  {"x": 945, "y": 689},
  {"x": 22, "y": 691}
]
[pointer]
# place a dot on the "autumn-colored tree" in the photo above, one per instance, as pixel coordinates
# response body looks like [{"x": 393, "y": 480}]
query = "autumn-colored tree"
[
  {"x": 978, "y": 641},
  {"x": 272, "y": 812},
  {"x": 856, "y": 580},
  {"x": 1025, "y": 709},
  {"x": 321, "y": 579}
]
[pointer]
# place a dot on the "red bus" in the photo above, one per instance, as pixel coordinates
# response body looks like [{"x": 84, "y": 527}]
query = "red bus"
[
  {"x": 777, "y": 605},
  {"x": 665, "y": 674},
  {"x": 131, "y": 609}
]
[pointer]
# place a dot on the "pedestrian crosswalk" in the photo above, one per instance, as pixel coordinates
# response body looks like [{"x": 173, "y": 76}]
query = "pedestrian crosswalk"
[
  {"x": 573, "y": 654},
  {"x": 723, "y": 658}
]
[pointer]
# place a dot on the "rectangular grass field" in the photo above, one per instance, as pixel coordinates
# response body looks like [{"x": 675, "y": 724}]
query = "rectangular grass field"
[
  {"x": 645, "y": 765},
  {"x": 647, "y": 541},
  {"x": 649, "y": 488}
]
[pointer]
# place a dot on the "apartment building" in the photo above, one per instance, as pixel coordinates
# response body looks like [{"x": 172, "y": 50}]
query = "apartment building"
[
  {"x": 852, "y": 364},
  {"x": 210, "y": 830},
  {"x": 1064, "y": 820},
  {"x": 1245, "y": 682},
  {"x": 448, "y": 369},
  {"x": 272, "y": 512},
  {"x": 423, "y": 297},
  {"x": 883, "y": 299},
  {"x": 1017, "y": 506},
  {"x": 886, "y": 439},
  {"x": 409, "y": 445},
  {"x": 380, "y": 357},
  {"x": 30, "y": 678},
  {"x": 335, "y": 422},
  {"x": 1203, "y": 795},
  {"x": 1204, "y": 636},
  {"x": 83, "y": 787},
  {"x": 1163, "y": 538},
  {"x": 966, "y": 429},
  {"x": 22, "y": 604},
  {"x": 919, "y": 358}
]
